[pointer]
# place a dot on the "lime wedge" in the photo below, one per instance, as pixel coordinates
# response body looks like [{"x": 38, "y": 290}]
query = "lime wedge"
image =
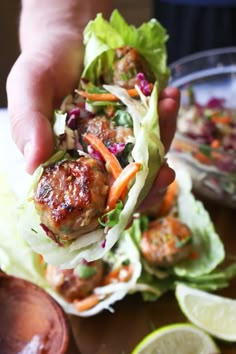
[
  {"x": 212, "y": 313},
  {"x": 180, "y": 338}
]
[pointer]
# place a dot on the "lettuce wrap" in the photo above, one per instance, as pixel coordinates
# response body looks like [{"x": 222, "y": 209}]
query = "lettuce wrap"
[
  {"x": 143, "y": 149},
  {"x": 147, "y": 150},
  {"x": 203, "y": 267},
  {"x": 18, "y": 259},
  {"x": 101, "y": 38}
]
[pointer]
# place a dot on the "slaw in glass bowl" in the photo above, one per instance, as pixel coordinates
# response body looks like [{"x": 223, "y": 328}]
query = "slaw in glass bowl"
[{"x": 205, "y": 139}]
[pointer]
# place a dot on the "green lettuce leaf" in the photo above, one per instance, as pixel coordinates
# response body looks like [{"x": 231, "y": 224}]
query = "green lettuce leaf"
[
  {"x": 152, "y": 287},
  {"x": 16, "y": 257},
  {"x": 202, "y": 271},
  {"x": 217, "y": 279},
  {"x": 207, "y": 243},
  {"x": 101, "y": 38}
]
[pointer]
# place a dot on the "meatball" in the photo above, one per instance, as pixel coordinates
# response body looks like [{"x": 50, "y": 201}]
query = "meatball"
[
  {"x": 75, "y": 283},
  {"x": 70, "y": 197},
  {"x": 128, "y": 63},
  {"x": 105, "y": 129},
  {"x": 166, "y": 242}
]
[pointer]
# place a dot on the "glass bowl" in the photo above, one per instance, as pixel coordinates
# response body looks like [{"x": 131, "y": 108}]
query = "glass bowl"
[{"x": 205, "y": 140}]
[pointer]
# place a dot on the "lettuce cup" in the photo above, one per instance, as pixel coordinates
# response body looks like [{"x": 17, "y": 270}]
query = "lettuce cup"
[
  {"x": 85, "y": 290},
  {"x": 179, "y": 244},
  {"x": 108, "y": 149}
]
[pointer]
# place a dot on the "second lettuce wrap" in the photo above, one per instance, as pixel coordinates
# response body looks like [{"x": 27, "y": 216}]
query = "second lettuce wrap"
[
  {"x": 203, "y": 267},
  {"x": 123, "y": 266}
]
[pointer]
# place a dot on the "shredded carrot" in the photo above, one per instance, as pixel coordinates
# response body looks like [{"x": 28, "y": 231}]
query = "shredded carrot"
[
  {"x": 41, "y": 260},
  {"x": 107, "y": 96},
  {"x": 221, "y": 119},
  {"x": 112, "y": 164},
  {"x": 104, "y": 96},
  {"x": 215, "y": 143},
  {"x": 42, "y": 264},
  {"x": 120, "y": 184},
  {"x": 182, "y": 145},
  {"x": 202, "y": 158},
  {"x": 216, "y": 155},
  {"x": 110, "y": 111},
  {"x": 121, "y": 274},
  {"x": 86, "y": 303},
  {"x": 169, "y": 199}
]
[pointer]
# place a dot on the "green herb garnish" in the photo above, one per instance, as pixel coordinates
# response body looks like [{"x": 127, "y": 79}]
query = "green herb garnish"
[{"x": 85, "y": 271}]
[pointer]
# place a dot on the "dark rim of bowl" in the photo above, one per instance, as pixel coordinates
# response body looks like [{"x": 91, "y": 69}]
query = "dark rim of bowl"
[
  {"x": 179, "y": 79},
  {"x": 202, "y": 54}
]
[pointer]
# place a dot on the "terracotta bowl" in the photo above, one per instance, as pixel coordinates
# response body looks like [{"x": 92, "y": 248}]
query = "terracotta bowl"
[{"x": 30, "y": 320}]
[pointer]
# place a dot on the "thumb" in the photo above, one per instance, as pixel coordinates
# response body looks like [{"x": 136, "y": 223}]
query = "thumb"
[{"x": 30, "y": 107}]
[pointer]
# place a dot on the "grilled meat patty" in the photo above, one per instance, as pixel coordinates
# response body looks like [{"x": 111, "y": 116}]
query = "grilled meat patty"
[
  {"x": 105, "y": 129},
  {"x": 71, "y": 284},
  {"x": 166, "y": 241},
  {"x": 128, "y": 63},
  {"x": 70, "y": 196}
]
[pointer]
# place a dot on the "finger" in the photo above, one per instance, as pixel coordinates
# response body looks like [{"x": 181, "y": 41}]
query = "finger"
[
  {"x": 164, "y": 178},
  {"x": 170, "y": 92},
  {"x": 154, "y": 199},
  {"x": 30, "y": 107},
  {"x": 168, "y": 110}
]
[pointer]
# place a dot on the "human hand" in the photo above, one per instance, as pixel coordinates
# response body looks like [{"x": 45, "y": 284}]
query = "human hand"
[
  {"x": 35, "y": 89},
  {"x": 169, "y": 101},
  {"x": 45, "y": 72},
  {"x": 31, "y": 108},
  {"x": 36, "y": 85}
]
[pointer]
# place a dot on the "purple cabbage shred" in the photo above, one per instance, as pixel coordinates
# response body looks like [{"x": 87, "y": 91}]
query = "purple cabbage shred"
[
  {"x": 144, "y": 84},
  {"x": 117, "y": 148}
]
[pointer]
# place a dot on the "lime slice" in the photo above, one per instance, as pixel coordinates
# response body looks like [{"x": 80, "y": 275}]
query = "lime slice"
[
  {"x": 180, "y": 338},
  {"x": 213, "y": 313}
]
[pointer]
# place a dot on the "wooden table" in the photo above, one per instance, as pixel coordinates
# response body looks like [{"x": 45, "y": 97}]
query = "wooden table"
[{"x": 119, "y": 332}]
